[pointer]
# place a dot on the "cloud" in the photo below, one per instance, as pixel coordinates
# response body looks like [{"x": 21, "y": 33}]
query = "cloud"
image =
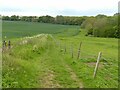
[
  {"x": 9, "y": 9},
  {"x": 58, "y": 7}
]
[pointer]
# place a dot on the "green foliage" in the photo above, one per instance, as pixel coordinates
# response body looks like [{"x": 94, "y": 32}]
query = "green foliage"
[
  {"x": 65, "y": 20},
  {"x": 20, "y": 64},
  {"x": 101, "y": 26},
  {"x": 90, "y": 32},
  {"x": 46, "y": 19},
  {"x": 117, "y": 31}
]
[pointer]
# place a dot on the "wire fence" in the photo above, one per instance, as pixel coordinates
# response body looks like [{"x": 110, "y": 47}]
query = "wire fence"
[{"x": 74, "y": 51}]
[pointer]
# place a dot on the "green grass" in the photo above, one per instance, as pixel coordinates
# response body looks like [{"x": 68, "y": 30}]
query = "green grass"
[
  {"x": 49, "y": 66},
  {"x": 21, "y": 29},
  {"x": 91, "y": 46}
]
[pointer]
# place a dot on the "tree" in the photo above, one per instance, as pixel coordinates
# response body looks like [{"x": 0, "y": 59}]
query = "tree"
[
  {"x": 59, "y": 19},
  {"x": 14, "y": 18},
  {"x": 5, "y": 17},
  {"x": 46, "y": 19}
]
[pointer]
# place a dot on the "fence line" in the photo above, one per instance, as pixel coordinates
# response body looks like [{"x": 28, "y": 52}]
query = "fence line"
[
  {"x": 82, "y": 52},
  {"x": 72, "y": 50}
]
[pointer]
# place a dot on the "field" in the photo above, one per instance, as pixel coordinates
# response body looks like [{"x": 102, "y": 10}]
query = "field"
[
  {"x": 38, "y": 60},
  {"x": 22, "y": 29}
]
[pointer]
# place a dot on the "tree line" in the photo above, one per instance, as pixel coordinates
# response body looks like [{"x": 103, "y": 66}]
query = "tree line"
[
  {"x": 102, "y": 26},
  {"x": 66, "y": 20},
  {"x": 97, "y": 26}
]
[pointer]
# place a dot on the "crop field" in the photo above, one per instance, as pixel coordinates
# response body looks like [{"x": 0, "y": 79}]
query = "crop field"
[
  {"x": 45, "y": 56},
  {"x": 21, "y": 29}
]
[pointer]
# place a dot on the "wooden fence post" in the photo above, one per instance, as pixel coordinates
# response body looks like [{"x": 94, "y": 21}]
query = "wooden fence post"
[
  {"x": 4, "y": 45},
  {"x": 79, "y": 50},
  {"x": 9, "y": 44},
  {"x": 97, "y": 64}
]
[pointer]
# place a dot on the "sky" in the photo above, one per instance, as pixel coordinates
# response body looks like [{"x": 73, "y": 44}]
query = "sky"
[{"x": 58, "y": 7}]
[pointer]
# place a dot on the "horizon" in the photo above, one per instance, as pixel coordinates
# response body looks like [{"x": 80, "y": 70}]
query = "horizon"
[
  {"x": 59, "y": 15},
  {"x": 55, "y": 7}
]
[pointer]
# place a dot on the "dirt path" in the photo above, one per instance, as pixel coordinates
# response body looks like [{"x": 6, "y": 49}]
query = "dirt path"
[
  {"x": 48, "y": 80},
  {"x": 74, "y": 76}
]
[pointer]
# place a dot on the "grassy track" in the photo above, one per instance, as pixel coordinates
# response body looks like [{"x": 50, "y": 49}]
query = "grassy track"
[{"x": 42, "y": 62}]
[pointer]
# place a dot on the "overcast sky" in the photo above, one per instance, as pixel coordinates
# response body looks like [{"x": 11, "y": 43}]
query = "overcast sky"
[{"x": 58, "y": 7}]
